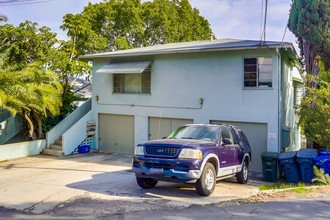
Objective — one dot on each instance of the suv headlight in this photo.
(187, 153)
(139, 150)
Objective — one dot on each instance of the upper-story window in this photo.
(129, 78)
(134, 83)
(258, 72)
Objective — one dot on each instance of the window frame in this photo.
(229, 132)
(257, 72)
(145, 84)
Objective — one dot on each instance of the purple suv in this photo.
(194, 153)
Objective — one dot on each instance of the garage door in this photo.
(162, 127)
(116, 133)
(256, 133)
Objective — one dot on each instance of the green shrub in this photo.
(320, 176)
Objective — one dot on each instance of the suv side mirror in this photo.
(227, 141)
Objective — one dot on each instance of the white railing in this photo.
(76, 134)
(67, 122)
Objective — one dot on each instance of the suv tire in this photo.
(243, 176)
(146, 183)
(206, 183)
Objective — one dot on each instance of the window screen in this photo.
(132, 83)
(258, 72)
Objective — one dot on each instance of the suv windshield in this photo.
(209, 133)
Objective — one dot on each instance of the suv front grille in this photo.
(161, 151)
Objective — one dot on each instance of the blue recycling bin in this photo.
(84, 149)
(289, 165)
(323, 152)
(323, 161)
(305, 159)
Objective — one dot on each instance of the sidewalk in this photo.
(38, 184)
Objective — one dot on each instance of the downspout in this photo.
(279, 78)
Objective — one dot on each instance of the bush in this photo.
(314, 112)
(320, 176)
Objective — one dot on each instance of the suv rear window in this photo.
(243, 137)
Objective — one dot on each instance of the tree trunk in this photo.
(311, 61)
(31, 133)
(81, 88)
(40, 134)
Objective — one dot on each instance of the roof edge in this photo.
(284, 45)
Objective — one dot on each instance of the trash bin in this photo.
(269, 166)
(323, 152)
(305, 158)
(83, 149)
(323, 162)
(289, 165)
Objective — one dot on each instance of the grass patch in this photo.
(301, 190)
(281, 185)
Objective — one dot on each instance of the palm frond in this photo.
(320, 176)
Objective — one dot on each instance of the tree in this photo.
(314, 113)
(310, 22)
(83, 39)
(33, 92)
(324, 74)
(128, 24)
(3, 18)
(168, 21)
(26, 44)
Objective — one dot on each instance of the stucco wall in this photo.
(9, 127)
(181, 80)
(21, 149)
(289, 118)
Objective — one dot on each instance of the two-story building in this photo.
(144, 93)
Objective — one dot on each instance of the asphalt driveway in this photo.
(41, 183)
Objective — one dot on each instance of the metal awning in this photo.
(124, 68)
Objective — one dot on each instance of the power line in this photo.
(286, 27)
(263, 21)
(23, 2)
(261, 17)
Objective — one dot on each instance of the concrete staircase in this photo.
(67, 135)
(55, 149)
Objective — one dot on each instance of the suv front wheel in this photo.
(146, 183)
(206, 183)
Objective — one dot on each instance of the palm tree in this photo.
(32, 92)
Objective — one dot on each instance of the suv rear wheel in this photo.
(243, 175)
(146, 183)
(206, 183)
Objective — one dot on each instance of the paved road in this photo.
(38, 184)
(102, 186)
(304, 209)
(90, 208)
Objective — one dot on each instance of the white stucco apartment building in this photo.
(145, 93)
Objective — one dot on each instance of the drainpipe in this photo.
(279, 78)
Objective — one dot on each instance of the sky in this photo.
(237, 19)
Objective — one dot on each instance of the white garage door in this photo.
(116, 133)
(162, 127)
(256, 133)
